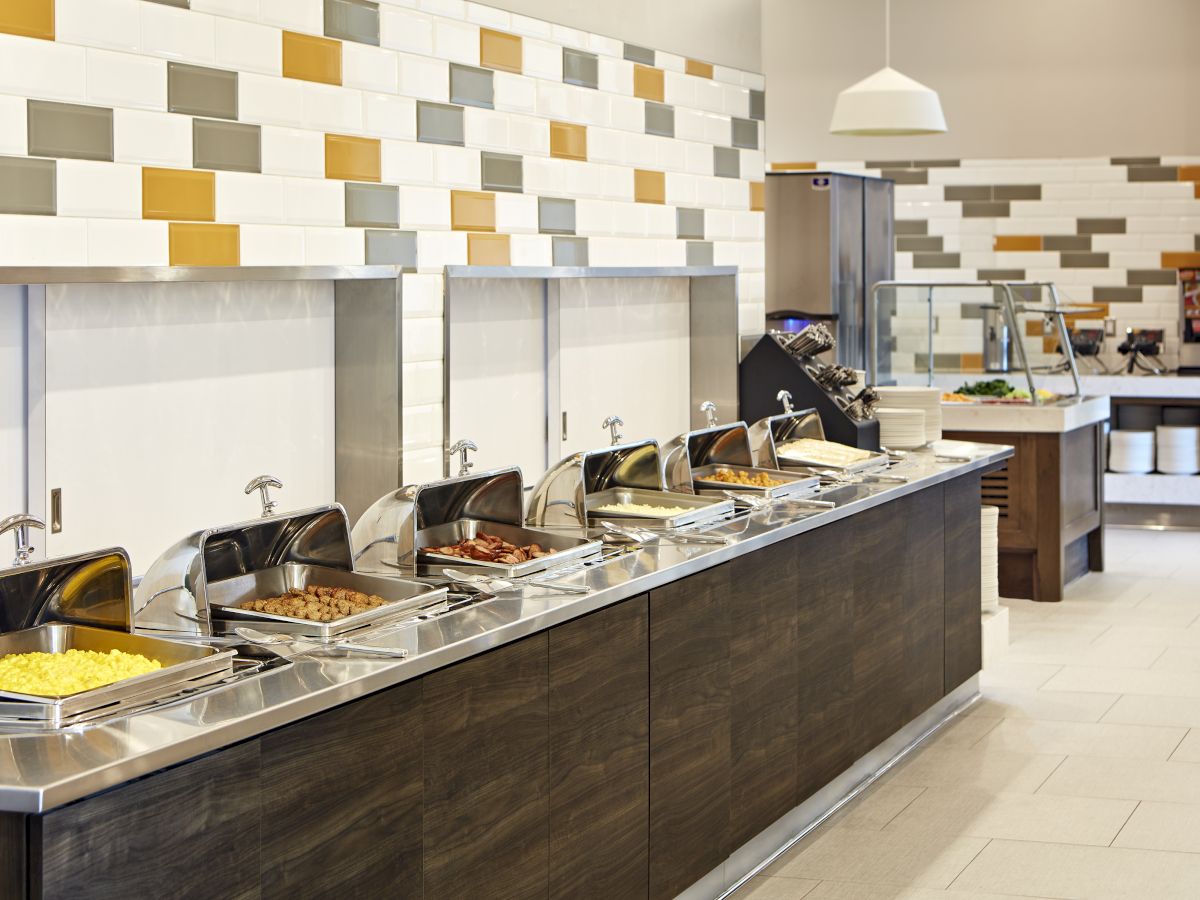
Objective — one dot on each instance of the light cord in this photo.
(887, 33)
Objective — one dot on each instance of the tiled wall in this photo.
(1111, 233)
(420, 133)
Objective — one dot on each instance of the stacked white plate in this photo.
(1131, 452)
(926, 399)
(901, 428)
(989, 552)
(1178, 449)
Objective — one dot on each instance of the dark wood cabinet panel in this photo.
(14, 847)
(599, 754)
(320, 845)
(964, 652)
(923, 606)
(689, 729)
(764, 668)
(487, 812)
(191, 831)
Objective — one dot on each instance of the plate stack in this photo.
(989, 544)
(926, 399)
(1178, 449)
(1131, 452)
(901, 428)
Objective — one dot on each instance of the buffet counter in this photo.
(656, 736)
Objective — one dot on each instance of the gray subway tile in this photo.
(923, 243)
(660, 119)
(889, 164)
(758, 105)
(556, 215)
(352, 20)
(937, 163)
(727, 162)
(439, 123)
(570, 251)
(182, 4)
(68, 129)
(471, 86)
(234, 146)
(581, 68)
(1117, 294)
(689, 223)
(1085, 260)
(637, 54)
(907, 176)
(1196, 243)
(1100, 226)
(942, 362)
(936, 260)
(744, 133)
(984, 209)
(1150, 276)
(28, 185)
(372, 205)
(200, 91)
(912, 226)
(1153, 173)
(391, 248)
(973, 310)
(1136, 160)
(1001, 274)
(501, 172)
(699, 253)
(968, 192)
(1071, 242)
(1017, 192)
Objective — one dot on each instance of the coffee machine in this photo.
(1189, 322)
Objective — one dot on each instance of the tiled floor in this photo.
(1077, 775)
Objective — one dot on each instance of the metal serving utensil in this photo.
(255, 636)
(646, 536)
(499, 585)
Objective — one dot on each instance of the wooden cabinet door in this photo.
(486, 737)
(689, 729)
(963, 646)
(922, 605)
(599, 754)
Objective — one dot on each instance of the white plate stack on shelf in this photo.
(1131, 452)
(926, 399)
(1178, 449)
(989, 555)
(901, 428)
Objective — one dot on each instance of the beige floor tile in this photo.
(845, 890)
(1135, 710)
(1128, 779)
(1189, 748)
(1082, 873)
(1153, 635)
(975, 767)
(1084, 738)
(877, 857)
(1178, 659)
(1162, 826)
(1150, 682)
(1031, 817)
(1028, 703)
(1108, 656)
(963, 731)
(1014, 673)
(875, 808)
(765, 887)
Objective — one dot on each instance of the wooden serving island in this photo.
(664, 735)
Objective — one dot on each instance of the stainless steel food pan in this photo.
(793, 485)
(566, 548)
(872, 462)
(403, 595)
(699, 509)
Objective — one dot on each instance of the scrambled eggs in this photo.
(47, 674)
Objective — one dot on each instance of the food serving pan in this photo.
(181, 663)
(793, 460)
(699, 509)
(793, 485)
(402, 595)
(566, 548)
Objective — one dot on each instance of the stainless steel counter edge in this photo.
(41, 771)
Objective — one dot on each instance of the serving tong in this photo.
(812, 340)
(646, 536)
(500, 585)
(307, 644)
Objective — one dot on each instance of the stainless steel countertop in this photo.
(42, 771)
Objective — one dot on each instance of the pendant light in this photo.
(887, 103)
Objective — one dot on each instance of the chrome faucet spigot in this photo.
(20, 524)
(785, 397)
(461, 448)
(710, 412)
(263, 484)
(612, 423)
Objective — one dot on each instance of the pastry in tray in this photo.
(315, 603)
(490, 548)
(825, 453)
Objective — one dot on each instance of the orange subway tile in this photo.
(178, 194)
(793, 166)
(971, 362)
(472, 211)
(498, 50)
(488, 250)
(28, 18)
(1033, 328)
(699, 69)
(312, 58)
(1097, 311)
(1050, 344)
(1189, 173)
(568, 141)
(1181, 260)
(649, 187)
(1197, 191)
(192, 244)
(1016, 242)
(648, 83)
(352, 158)
(758, 196)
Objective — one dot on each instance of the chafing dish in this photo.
(793, 485)
(565, 547)
(769, 434)
(700, 510)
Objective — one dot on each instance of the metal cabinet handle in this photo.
(612, 423)
(263, 484)
(710, 412)
(462, 448)
(785, 397)
(20, 525)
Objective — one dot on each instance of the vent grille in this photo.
(995, 490)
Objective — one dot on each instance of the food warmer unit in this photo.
(396, 533)
(199, 584)
(770, 434)
(83, 602)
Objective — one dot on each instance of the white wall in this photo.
(12, 405)
(1022, 78)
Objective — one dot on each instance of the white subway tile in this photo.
(606, 46)
(514, 92)
(407, 162)
(152, 138)
(516, 213)
(735, 101)
(553, 101)
(123, 79)
(528, 135)
(681, 189)
(568, 37)
(531, 250)
(177, 33)
(270, 100)
(314, 201)
(710, 96)
(422, 383)
(332, 108)
(42, 241)
(542, 59)
(615, 75)
(101, 189)
(595, 217)
(333, 246)
(422, 426)
(753, 164)
(13, 118)
(588, 106)
(127, 242)
(660, 221)
(424, 79)
(389, 116)
(489, 16)
(486, 129)
(249, 197)
(247, 46)
(422, 340)
(425, 208)
(672, 62)
(426, 464)
(530, 27)
(239, 9)
(296, 15)
(437, 249)
(700, 159)
(405, 29)
(292, 151)
(606, 145)
(1134, 259)
(41, 69)
(272, 245)
(680, 90)
(754, 81)
(545, 176)
(1106, 242)
(1068, 190)
(453, 9)
(627, 113)
(456, 167)
(97, 23)
(421, 295)
(456, 41)
(370, 68)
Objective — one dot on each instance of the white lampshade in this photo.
(887, 103)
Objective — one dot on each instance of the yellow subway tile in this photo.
(1016, 243)
(649, 187)
(28, 18)
(758, 195)
(312, 58)
(1033, 328)
(1181, 260)
(488, 250)
(648, 83)
(472, 211)
(204, 245)
(498, 50)
(1050, 344)
(699, 69)
(568, 141)
(971, 362)
(178, 194)
(352, 158)
(793, 166)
